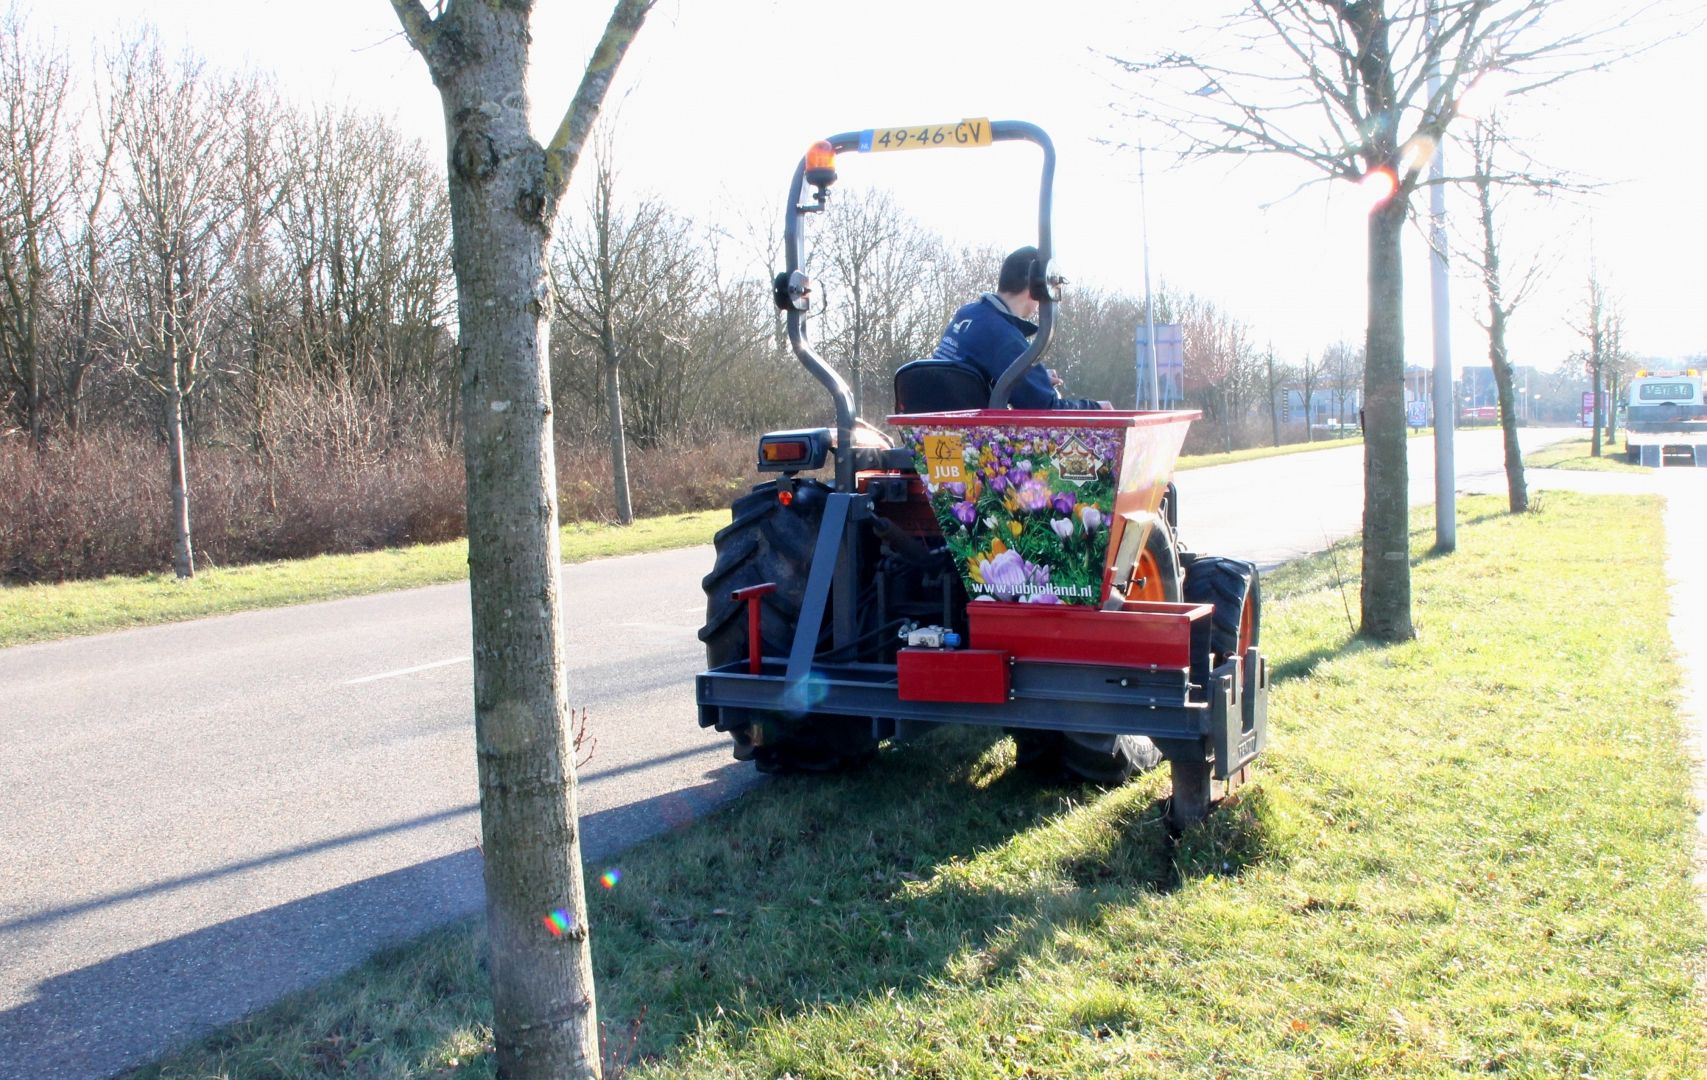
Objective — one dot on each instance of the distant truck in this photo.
(1666, 420)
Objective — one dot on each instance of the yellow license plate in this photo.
(927, 136)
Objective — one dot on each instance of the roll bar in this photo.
(793, 288)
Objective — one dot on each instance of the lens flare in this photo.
(1377, 186)
(802, 697)
(1416, 154)
(610, 877)
(559, 922)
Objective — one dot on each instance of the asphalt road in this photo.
(197, 819)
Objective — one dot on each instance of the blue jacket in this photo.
(988, 336)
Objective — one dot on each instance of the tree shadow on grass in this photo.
(940, 860)
(1305, 664)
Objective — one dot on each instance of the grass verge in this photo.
(1468, 853)
(1576, 454)
(32, 613)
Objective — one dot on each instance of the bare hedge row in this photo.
(98, 506)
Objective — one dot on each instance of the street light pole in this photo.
(1445, 481)
(1155, 398)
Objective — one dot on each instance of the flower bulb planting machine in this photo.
(1012, 568)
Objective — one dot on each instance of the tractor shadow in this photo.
(942, 860)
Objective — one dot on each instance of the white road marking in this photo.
(409, 670)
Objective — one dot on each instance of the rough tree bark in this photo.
(504, 192)
(1386, 601)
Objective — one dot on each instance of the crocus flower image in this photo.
(1063, 527)
(966, 513)
(1033, 496)
(1009, 577)
(1092, 518)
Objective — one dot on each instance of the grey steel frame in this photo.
(1232, 721)
(835, 570)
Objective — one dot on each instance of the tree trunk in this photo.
(1614, 389)
(618, 447)
(1273, 403)
(1386, 600)
(502, 208)
(38, 429)
(1595, 375)
(1517, 492)
(183, 557)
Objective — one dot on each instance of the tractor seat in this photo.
(940, 386)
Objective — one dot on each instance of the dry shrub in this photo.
(674, 479)
(99, 504)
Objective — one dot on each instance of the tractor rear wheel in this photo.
(766, 541)
(1232, 588)
(1100, 758)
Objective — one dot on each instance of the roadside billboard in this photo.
(1170, 363)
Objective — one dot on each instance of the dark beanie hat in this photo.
(1016, 271)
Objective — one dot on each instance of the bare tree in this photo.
(1309, 378)
(1618, 367)
(607, 274)
(504, 193)
(1599, 329)
(34, 185)
(1094, 347)
(262, 184)
(1220, 369)
(178, 205)
(1492, 184)
(878, 258)
(1343, 86)
(1276, 377)
(1342, 374)
(90, 348)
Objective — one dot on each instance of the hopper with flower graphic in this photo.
(1032, 504)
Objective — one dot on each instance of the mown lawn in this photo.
(1466, 854)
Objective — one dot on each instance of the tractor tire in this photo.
(1107, 760)
(768, 542)
(1233, 589)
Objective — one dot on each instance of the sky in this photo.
(717, 100)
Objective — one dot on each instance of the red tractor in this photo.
(1011, 568)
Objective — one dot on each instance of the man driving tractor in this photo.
(992, 331)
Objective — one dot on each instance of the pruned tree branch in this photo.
(565, 146)
(417, 26)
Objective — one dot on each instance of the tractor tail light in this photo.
(794, 451)
(784, 452)
(785, 497)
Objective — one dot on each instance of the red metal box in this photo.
(1141, 634)
(979, 675)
